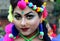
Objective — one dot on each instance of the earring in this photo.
(14, 31)
(41, 31)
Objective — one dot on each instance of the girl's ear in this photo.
(41, 19)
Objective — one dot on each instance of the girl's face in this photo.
(26, 21)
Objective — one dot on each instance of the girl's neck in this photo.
(32, 34)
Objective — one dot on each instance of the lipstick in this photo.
(24, 29)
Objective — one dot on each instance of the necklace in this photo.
(30, 39)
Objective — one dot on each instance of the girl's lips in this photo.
(24, 29)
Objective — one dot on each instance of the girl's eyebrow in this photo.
(29, 13)
(16, 13)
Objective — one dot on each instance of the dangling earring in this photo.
(41, 31)
(11, 32)
(14, 31)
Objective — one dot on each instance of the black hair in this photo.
(38, 3)
(35, 2)
(45, 30)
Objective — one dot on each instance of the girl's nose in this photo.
(23, 22)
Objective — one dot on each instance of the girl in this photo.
(26, 21)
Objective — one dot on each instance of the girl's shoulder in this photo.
(1, 39)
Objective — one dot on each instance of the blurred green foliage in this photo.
(2, 31)
(57, 8)
(58, 1)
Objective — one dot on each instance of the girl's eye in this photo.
(18, 17)
(30, 17)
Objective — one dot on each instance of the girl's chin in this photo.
(26, 33)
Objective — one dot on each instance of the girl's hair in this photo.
(35, 2)
(38, 3)
(46, 37)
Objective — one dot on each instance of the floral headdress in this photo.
(22, 5)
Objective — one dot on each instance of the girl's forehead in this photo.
(25, 11)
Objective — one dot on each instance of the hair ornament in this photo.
(8, 36)
(34, 7)
(41, 31)
(11, 35)
(38, 9)
(10, 17)
(21, 4)
(26, 1)
(41, 10)
(30, 5)
(44, 4)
